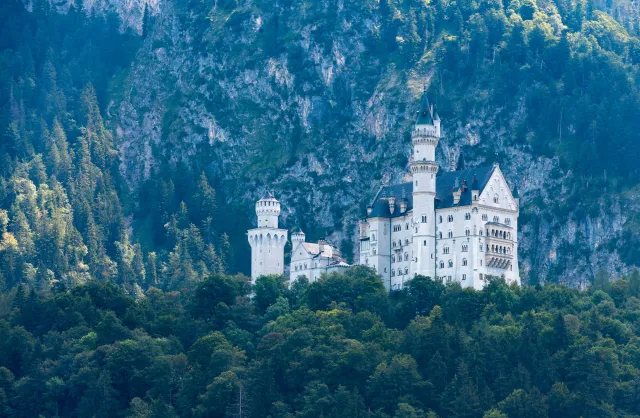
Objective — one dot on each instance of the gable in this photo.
(497, 187)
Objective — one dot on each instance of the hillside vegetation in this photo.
(134, 154)
(340, 347)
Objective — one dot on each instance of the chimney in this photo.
(363, 229)
(321, 245)
(392, 204)
(403, 205)
(456, 193)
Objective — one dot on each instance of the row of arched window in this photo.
(395, 244)
(399, 258)
(393, 272)
(499, 234)
(450, 263)
(499, 249)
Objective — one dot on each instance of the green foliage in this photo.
(528, 352)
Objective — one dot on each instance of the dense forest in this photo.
(122, 246)
(339, 347)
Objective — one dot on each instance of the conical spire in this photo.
(424, 116)
(474, 184)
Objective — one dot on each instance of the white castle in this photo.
(267, 243)
(457, 226)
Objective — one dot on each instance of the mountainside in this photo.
(315, 100)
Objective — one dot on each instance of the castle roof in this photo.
(268, 196)
(445, 183)
(424, 116)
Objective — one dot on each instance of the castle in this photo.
(267, 243)
(453, 226)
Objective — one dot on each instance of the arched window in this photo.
(450, 234)
(394, 244)
(393, 273)
(467, 232)
(464, 261)
(442, 264)
(440, 235)
(406, 256)
(465, 248)
(450, 218)
(445, 250)
(495, 199)
(440, 220)
(450, 263)
(467, 216)
(485, 217)
(406, 226)
(406, 242)
(406, 270)
(393, 258)
(424, 219)
(399, 272)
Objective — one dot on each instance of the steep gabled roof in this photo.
(445, 184)
(380, 206)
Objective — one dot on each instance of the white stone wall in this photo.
(267, 251)
(312, 267)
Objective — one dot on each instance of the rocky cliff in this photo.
(315, 100)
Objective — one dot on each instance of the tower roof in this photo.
(424, 116)
(474, 183)
(444, 186)
(268, 196)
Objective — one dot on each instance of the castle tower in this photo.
(425, 137)
(297, 237)
(267, 241)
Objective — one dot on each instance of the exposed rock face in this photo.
(317, 115)
(131, 12)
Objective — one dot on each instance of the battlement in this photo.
(424, 166)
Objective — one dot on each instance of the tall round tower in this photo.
(425, 136)
(267, 241)
(268, 211)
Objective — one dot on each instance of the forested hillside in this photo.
(136, 137)
(340, 347)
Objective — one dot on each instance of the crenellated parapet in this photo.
(424, 166)
(425, 135)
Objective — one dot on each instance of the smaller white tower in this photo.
(296, 238)
(267, 241)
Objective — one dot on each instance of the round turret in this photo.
(268, 210)
(297, 237)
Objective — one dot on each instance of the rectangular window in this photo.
(464, 277)
(424, 244)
